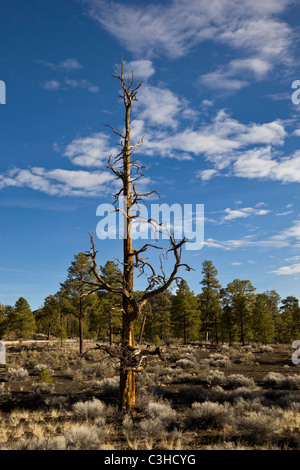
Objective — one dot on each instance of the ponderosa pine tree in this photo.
(158, 319)
(290, 319)
(228, 324)
(75, 291)
(185, 314)
(21, 320)
(241, 297)
(263, 324)
(49, 317)
(110, 304)
(210, 303)
(3, 321)
(274, 301)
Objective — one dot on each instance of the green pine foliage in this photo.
(185, 315)
(210, 303)
(241, 298)
(263, 324)
(20, 319)
(234, 313)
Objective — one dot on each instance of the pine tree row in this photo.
(217, 314)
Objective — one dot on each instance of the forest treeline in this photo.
(235, 313)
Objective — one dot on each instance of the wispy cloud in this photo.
(218, 140)
(70, 84)
(245, 243)
(250, 28)
(66, 65)
(173, 30)
(283, 239)
(288, 270)
(242, 213)
(59, 182)
(236, 74)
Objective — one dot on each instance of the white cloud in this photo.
(249, 27)
(159, 106)
(218, 140)
(283, 239)
(254, 163)
(206, 175)
(242, 213)
(245, 243)
(52, 85)
(269, 38)
(142, 69)
(70, 84)
(207, 103)
(291, 232)
(280, 214)
(67, 65)
(91, 151)
(59, 182)
(173, 30)
(261, 163)
(236, 74)
(288, 270)
(84, 84)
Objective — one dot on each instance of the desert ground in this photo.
(200, 397)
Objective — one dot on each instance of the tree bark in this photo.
(80, 318)
(111, 334)
(127, 377)
(142, 328)
(132, 307)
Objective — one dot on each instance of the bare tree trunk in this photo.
(157, 284)
(80, 318)
(111, 334)
(127, 377)
(49, 331)
(142, 328)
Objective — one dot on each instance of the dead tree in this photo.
(128, 171)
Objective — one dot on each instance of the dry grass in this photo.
(201, 398)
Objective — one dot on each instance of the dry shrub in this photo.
(235, 381)
(258, 427)
(216, 377)
(218, 360)
(208, 415)
(90, 409)
(277, 380)
(83, 438)
(164, 412)
(16, 374)
(55, 443)
(242, 406)
(186, 363)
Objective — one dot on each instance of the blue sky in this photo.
(215, 110)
